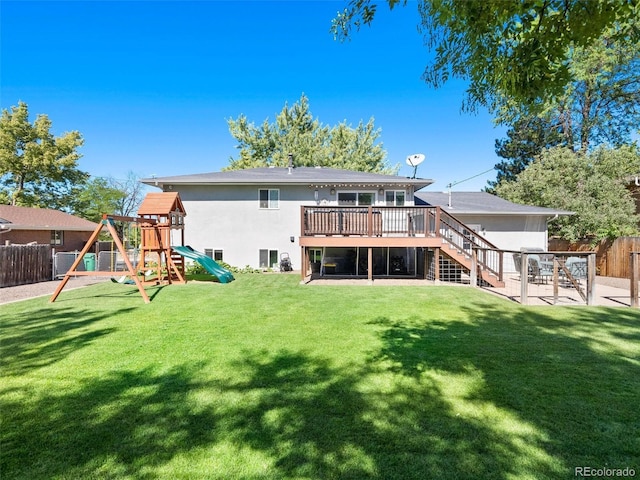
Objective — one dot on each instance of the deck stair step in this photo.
(464, 259)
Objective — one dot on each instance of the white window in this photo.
(268, 258)
(269, 198)
(356, 198)
(394, 198)
(57, 237)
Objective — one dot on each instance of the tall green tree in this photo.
(97, 197)
(517, 49)
(592, 184)
(601, 106)
(311, 142)
(525, 140)
(37, 168)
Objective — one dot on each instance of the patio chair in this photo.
(577, 268)
(517, 262)
(539, 272)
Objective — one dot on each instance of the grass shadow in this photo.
(574, 381)
(37, 339)
(321, 421)
(120, 426)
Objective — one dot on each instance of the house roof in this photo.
(312, 176)
(482, 203)
(27, 218)
(164, 203)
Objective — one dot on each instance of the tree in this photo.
(592, 185)
(525, 140)
(312, 143)
(97, 197)
(600, 106)
(102, 195)
(36, 168)
(514, 49)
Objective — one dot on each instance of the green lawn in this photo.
(264, 378)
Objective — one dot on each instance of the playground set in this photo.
(160, 263)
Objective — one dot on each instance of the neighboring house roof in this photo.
(312, 176)
(481, 203)
(27, 218)
(161, 204)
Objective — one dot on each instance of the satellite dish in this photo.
(415, 160)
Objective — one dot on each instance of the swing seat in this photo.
(123, 280)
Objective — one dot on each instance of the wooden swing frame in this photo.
(107, 221)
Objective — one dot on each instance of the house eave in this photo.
(400, 184)
(453, 211)
(16, 227)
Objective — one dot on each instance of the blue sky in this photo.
(150, 85)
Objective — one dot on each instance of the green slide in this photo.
(210, 265)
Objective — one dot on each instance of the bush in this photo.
(197, 269)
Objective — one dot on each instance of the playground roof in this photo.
(481, 203)
(28, 218)
(161, 203)
(320, 176)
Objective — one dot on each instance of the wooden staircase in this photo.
(458, 244)
(465, 261)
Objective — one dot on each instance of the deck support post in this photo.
(473, 272)
(304, 255)
(370, 265)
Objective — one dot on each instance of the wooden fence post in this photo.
(591, 278)
(524, 278)
(634, 277)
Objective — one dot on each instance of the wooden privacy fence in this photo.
(612, 257)
(24, 264)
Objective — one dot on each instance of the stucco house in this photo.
(23, 225)
(340, 222)
(507, 225)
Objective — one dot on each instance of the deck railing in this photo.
(422, 221)
(365, 221)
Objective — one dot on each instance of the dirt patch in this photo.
(33, 290)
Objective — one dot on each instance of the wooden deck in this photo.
(412, 226)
